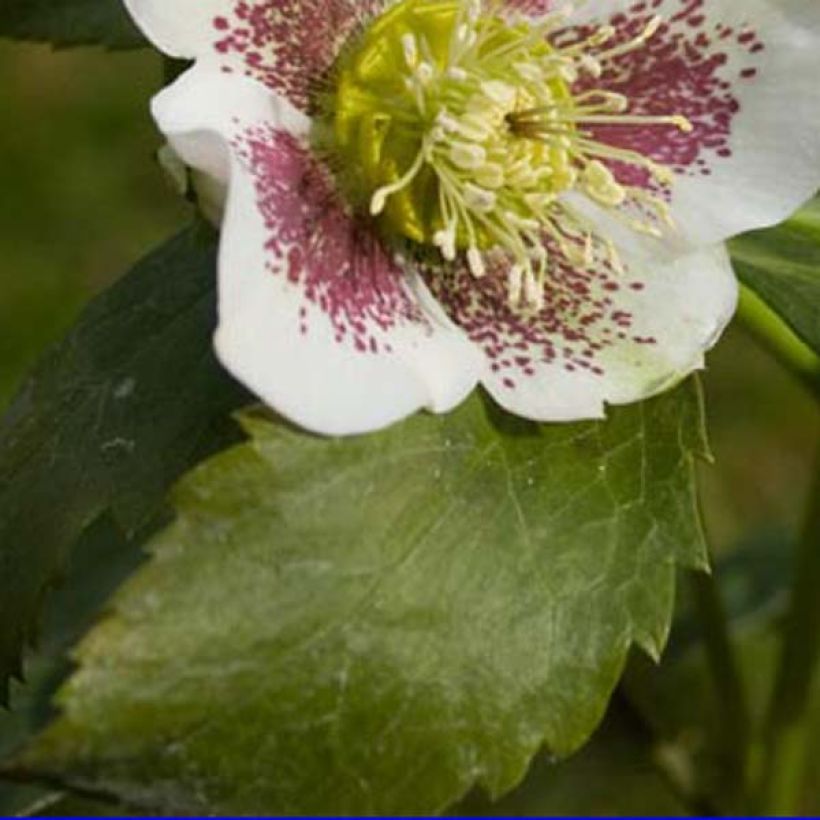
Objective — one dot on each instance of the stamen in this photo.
(446, 242)
(515, 286)
(638, 42)
(411, 51)
(489, 102)
(467, 155)
(500, 93)
(475, 262)
(479, 199)
(379, 200)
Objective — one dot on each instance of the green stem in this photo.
(771, 332)
(786, 736)
(677, 783)
(729, 690)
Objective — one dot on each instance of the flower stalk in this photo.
(782, 772)
(727, 681)
(769, 330)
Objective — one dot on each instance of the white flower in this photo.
(421, 196)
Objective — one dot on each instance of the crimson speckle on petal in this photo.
(685, 67)
(579, 321)
(289, 44)
(532, 194)
(338, 263)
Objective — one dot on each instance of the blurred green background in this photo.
(83, 197)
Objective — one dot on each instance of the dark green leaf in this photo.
(110, 419)
(378, 624)
(62, 804)
(100, 560)
(70, 22)
(782, 266)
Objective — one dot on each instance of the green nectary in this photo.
(459, 129)
(403, 78)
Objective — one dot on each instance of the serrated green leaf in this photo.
(100, 560)
(615, 775)
(782, 266)
(70, 23)
(374, 625)
(111, 418)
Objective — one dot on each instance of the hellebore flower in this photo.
(418, 196)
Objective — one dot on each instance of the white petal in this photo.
(745, 74)
(315, 317)
(602, 338)
(286, 44)
(180, 28)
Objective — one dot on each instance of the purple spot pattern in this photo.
(289, 44)
(581, 319)
(692, 66)
(333, 258)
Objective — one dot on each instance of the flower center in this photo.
(461, 129)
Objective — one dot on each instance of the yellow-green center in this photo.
(457, 128)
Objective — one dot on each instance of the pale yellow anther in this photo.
(424, 73)
(502, 94)
(490, 175)
(533, 291)
(662, 173)
(475, 261)
(379, 199)
(521, 222)
(467, 155)
(615, 103)
(652, 28)
(478, 198)
(521, 175)
(515, 285)
(473, 10)
(411, 50)
(470, 127)
(445, 241)
(589, 250)
(513, 144)
(538, 203)
(531, 72)
(466, 36)
(603, 35)
(569, 73)
(590, 65)
(601, 185)
(682, 123)
(645, 228)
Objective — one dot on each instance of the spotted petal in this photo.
(602, 337)
(315, 316)
(287, 44)
(745, 75)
